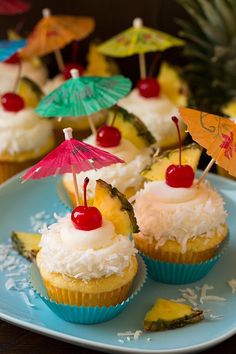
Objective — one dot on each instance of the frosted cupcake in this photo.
(87, 258)
(130, 140)
(24, 137)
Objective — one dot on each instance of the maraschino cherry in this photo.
(149, 87)
(12, 102)
(14, 59)
(179, 176)
(108, 136)
(69, 66)
(86, 217)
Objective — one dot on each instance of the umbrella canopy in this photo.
(8, 48)
(85, 95)
(13, 7)
(54, 32)
(215, 133)
(138, 39)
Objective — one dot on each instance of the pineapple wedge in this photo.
(26, 243)
(115, 207)
(167, 314)
(156, 170)
(131, 127)
(29, 91)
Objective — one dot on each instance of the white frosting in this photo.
(53, 83)
(60, 252)
(165, 213)
(121, 176)
(9, 72)
(23, 131)
(156, 113)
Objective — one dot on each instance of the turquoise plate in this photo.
(20, 204)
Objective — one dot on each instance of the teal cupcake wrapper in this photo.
(82, 314)
(181, 273)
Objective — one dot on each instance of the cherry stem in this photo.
(176, 121)
(86, 182)
(115, 114)
(18, 76)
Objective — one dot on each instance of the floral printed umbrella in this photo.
(13, 7)
(54, 32)
(139, 40)
(216, 134)
(8, 48)
(85, 95)
(71, 156)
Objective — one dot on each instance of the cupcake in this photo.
(130, 140)
(86, 258)
(24, 137)
(155, 101)
(80, 125)
(182, 224)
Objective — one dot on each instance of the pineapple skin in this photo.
(29, 91)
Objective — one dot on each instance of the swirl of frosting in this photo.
(61, 253)
(121, 176)
(165, 213)
(23, 131)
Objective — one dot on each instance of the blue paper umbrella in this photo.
(8, 48)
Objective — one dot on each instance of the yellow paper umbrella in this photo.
(54, 32)
(139, 40)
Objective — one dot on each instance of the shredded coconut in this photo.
(232, 285)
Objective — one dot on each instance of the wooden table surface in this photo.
(15, 340)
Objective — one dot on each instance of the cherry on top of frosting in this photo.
(14, 59)
(86, 217)
(108, 136)
(179, 176)
(12, 102)
(69, 66)
(148, 87)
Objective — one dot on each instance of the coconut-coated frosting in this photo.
(84, 254)
(121, 176)
(23, 131)
(166, 213)
(9, 72)
(155, 113)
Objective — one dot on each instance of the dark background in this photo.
(112, 17)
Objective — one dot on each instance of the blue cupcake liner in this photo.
(181, 273)
(82, 314)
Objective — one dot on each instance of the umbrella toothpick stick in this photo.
(68, 136)
(138, 23)
(207, 169)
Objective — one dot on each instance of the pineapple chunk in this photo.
(157, 169)
(167, 314)
(131, 127)
(115, 207)
(29, 91)
(26, 243)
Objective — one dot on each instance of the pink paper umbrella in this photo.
(13, 7)
(71, 156)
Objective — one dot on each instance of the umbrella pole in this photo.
(59, 60)
(92, 126)
(142, 65)
(75, 186)
(207, 169)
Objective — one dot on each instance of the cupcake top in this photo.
(122, 176)
(155, 113)
(22, 131)
(165, 213)
(85, 254)
(9, 72)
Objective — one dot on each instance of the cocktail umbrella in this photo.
(8, 48)
(54, 32)
(216, 134)
(13, 7)
(82, 96)
(71, 156)
(139, 40)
